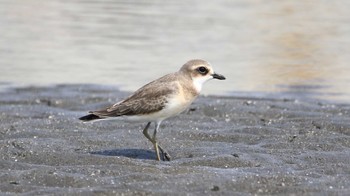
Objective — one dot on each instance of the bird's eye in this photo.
(202, 70)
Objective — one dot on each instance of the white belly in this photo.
(174, 106)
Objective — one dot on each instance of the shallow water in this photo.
(298, 48)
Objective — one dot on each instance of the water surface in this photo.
(298, 48)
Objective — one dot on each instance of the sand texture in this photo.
(221, 145)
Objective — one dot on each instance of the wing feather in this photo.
(148, 99)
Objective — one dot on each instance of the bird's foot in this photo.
(164, 154)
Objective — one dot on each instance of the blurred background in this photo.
(286, 48)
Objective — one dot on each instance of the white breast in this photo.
(199, 81)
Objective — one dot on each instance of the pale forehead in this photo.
(195, 63)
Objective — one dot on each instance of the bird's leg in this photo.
(155, 141)
(165, 155)
(145, 133)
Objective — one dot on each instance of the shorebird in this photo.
(160, 99)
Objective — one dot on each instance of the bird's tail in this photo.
(89, 117)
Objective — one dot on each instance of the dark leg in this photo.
(155, 143)
(157, 147)
(165, 154)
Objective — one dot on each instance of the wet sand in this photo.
(221, 145)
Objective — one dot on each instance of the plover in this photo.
(160, 99)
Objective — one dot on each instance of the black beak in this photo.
(218, 76)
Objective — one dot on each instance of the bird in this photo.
(160, 99)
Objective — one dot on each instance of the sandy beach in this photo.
(221, 145)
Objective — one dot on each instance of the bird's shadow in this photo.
(130, 153)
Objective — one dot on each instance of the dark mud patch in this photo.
(221, 145)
